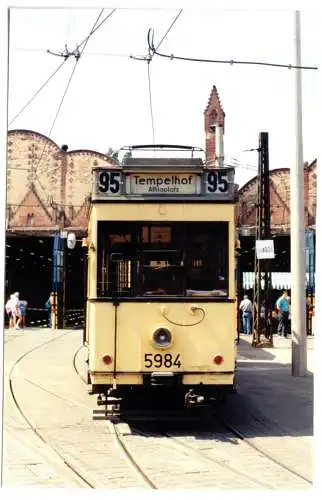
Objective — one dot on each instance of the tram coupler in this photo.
(192, 399)
(111, 405)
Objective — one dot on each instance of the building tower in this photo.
(214, 130)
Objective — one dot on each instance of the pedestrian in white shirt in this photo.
(246, 308)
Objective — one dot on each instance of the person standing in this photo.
(246, 308)
(23, 304)
(283, 307)
(8, 308)
(49, 307)
(16, 317)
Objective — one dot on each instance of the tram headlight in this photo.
(162, 337)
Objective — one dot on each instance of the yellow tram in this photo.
(161, 299)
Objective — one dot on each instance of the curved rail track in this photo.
(172, 443)
(264, 453)
(113, 428)
(71, 470)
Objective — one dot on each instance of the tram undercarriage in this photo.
(157, 400)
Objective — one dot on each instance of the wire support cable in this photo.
(151, 106)
(95, 28)
(150, 54)
(169, 29)
(148, 59)
(154, 51)
(83, 43)
(36, 93)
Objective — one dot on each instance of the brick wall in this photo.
(46, 185)
(279, 199)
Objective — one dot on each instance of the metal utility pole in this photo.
(298, 299)
(262, 281)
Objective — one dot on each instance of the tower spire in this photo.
(214, 129)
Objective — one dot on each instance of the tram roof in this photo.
(162, 162)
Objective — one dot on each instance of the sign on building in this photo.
(265, 249)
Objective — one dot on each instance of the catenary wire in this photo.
(148, 59)
(154, 51)
(95, 28)
(150, 100)
(83, 43)
(36, 93)
(170, 27)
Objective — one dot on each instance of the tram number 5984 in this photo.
(109, 182)
(217, 182)
(157, 360)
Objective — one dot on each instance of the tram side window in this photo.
(207, 259)
(115, 260)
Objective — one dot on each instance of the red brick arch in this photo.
(279, 198)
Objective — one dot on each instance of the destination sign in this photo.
(216, 184)
(176, 184)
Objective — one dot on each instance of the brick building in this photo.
(47, 185)
(48, 188)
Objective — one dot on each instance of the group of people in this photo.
(283, 312)
(16, 311)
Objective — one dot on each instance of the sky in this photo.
(107, 103)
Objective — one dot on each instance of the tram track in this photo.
(70, 469)
(172, 442)
(113, 429)
(264, 453)
(51, 455)
(273, 467)
(144, 478)
(75, 365)
(193, 452)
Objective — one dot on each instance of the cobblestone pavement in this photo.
(56, 402)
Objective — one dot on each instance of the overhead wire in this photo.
(151, 106)
(66, 56)
(148, 59)
(36, 93)
(83, 45)
(153, 50)
(95, 28)
(170, 27)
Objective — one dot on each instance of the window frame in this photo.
(134, 287)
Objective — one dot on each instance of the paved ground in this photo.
(266, 388)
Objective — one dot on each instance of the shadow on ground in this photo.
(269, 402)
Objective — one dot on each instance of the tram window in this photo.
(207, 259)
(115, 259)
(160, 258)
(177, 259)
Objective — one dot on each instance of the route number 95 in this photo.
(159, 360)
(109, 182)
(217, 182)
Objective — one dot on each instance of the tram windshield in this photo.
(152, 259)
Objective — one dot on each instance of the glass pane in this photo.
(177, 259)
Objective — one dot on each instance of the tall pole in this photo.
(298, 296)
